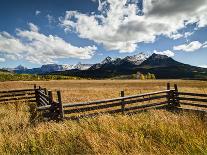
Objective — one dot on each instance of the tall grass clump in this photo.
(153, 132)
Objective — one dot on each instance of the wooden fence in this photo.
(168, 98)
(14, 96)
(171, 99)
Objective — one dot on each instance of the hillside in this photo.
(2, 71)
(162, 66)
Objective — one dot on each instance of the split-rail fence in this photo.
(170, 99)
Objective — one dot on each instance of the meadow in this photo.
(153, 132)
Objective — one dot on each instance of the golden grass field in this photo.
(153, 132)
(86, 90)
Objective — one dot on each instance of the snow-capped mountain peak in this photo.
(107, 60)
(137, 59)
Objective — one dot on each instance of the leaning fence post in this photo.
(60, 104)
(122, 103)
(176, 96)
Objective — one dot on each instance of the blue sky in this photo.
(37, 32)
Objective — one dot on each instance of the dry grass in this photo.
(85, 90)
(154, 132)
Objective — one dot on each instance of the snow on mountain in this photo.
(49, 68)
(137, 59)
(80, 66)
(20, 67)
(108, 61)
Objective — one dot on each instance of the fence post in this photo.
(50, 97)
(60, 104)
(176, 96)
(169, 95)
(168, 86)
(45, 91)
(36, 94)
(52, 108)
(122, 103)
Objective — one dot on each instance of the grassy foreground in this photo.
(154, 132)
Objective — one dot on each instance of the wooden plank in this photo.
(193, 94)
(91, 108)
(108, 112)
(192, 99)
(15, 98)
(44, 100)
(47, 107)
(15, 95)
(93, 114)
(112, 100)
(13, 101)
(146, 106)
(193, 104)
(20, 90)
(43, 95)
(145, 99)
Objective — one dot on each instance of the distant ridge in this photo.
(49, 68)
(162, 66)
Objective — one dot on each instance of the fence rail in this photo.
(21, 95)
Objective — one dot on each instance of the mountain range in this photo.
(162, 66)
(49, 68)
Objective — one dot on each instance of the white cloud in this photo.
(39, 48)
(33, 27)
(205, 45)
(50, 18)
(118, 27)
(10, 44)
(176, 36)
(187, 34)
(37, 12)
(191, 47)
(167, 53)
(2, 60)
